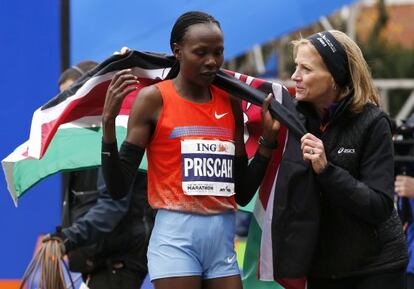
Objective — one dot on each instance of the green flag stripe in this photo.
(70, 149)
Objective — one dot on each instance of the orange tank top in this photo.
(190, 157)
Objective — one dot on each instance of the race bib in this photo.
(207, 167)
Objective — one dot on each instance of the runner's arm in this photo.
(248, 177)
(119, 169)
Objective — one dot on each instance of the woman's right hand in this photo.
(123, 83)
(271, 126)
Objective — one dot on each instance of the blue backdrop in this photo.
(30, 66)
(100, 27)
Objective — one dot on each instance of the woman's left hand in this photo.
(314, 151)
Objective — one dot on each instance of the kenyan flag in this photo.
(66, 132)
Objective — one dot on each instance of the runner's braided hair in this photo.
(186, 20)
(180, 28)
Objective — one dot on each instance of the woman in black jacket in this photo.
(349, 146)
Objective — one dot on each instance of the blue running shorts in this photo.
(185, 244)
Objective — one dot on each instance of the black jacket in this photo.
(101, 230)
(360, 231)
(296, 210)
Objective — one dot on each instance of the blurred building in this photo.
(399, 29)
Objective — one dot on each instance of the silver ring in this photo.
(311, 152)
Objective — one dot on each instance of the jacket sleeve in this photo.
(102, 218)
(371, 196)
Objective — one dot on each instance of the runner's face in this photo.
(200, 53)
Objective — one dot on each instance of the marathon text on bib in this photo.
(207, 167)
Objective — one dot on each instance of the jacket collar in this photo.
(336, 110)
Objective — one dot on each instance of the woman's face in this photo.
(314, 83)
(200, 52)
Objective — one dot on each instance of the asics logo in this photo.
(345, 151)
(218, 116)
(231, 259)
(106, 153)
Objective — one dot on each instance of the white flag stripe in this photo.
(277, 89)
(8, 166)
(94, 121)
(266, 259)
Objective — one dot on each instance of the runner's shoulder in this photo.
(150, 95)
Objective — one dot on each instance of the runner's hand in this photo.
(123, 83)
(271, 126)
(124, 50)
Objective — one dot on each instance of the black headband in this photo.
(333, 55)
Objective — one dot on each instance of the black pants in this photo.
(115, 279)
(410, 281)
(389, 280)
